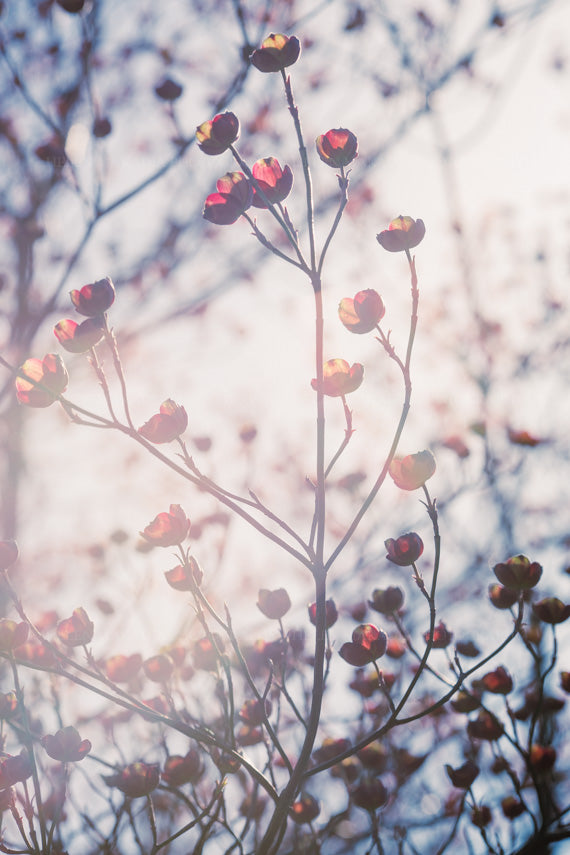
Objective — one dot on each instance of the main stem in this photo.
(277, 825)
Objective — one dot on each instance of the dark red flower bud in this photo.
(405, 550)
(368, 644)
(168, 90)
(254, 712)
(512, 807)
(518, 573)
(41, 381)
(274, 182)
(78, 338)
(135, 780)
(402, 233)
(551, 610)
(66, 745)
(276, 53)
(94, 299)
(338, 147)
(413, 470)
(362, 313)
(386, 601)
(232, 199)
(122, 669)
(273, 604)
(542, 757)
(467, 648)
(499, 681)
(218, 134)
(463, 776)
(183, 770)
(481, 816)
(331, 613)
(369, 793)
(305, 809)
(485, 726)
(466, 702)
(76, 630)
(167, 425)
(159, 668)
(502, 598)
(442, 637)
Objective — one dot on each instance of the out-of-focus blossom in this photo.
(275, 182)
(232, 199)
(217, 135)
(12, 634)
(361, 313)
(94, 299)
(369, 793)
(168, 424)
(76, 630)
(463, 776)
(442, 637)
(502, 598)
(368, 644)
(273, 604)
(49, 378)
(305, 809)
(78, 338)
(168, 89)
(180, 770)
(551, 610)
(331, 613)
(185, 577)
(339, 378)
(276, 53)
(135, 780)
(8, 553)
(402, 233)
(66, 745)
(412, 471)
(387, 600)
(338, 147)
(14, 769)
(169, 528)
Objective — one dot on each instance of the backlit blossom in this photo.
(412, 471)
(404, 550)
(168, 424)
(338, 147)
(41, 381)
(275, 182)
(277, 52)
(216, 135)
(362, 313)
(339, 378)
(135, 780)
(168, 528)
(518, 572)
(273, 604)
(403, 233)
(232, 199)
(12, 634)
(368, 644)
(78, 338)
(76, 630)
(66, 745)
(94, 299)
(14, 769)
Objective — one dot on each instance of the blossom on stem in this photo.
(405, 550)
(168, 424)
(403, 233)
(368, 644)
(168, 89)
(78, 338)
(276, 53)
(338, 147)
(49, 378)
(14, 769)
(339, 378)
(94, 299)
(305, 809)
(169, 528)
(217, 135)
(185, 577)
(273, 604)
(369, 793)
(412, 471)
(463, 776)
(362, 313)
(12, 634)
(180, 770)
(66, 745)
(232, 199)
(331, 613)
(387, 600)
(551, 610)
(275, 182)
(518, 572)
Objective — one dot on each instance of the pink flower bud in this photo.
(405, 550)
(362, 313)
(233, 198)
(275, 182)
(41, 381)
(66, 745)
(78, 338)
(168, 528)
(135, 780)
(168, 424)
(94, 299)
(76, 630)
(412, 471)
(339, 378)
(273, 604)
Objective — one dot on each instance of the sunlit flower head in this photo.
(275, 182)
(216, 135)
(363, 312)
(276, 53)
(41, 381)
(233, 197)
(412, 471)
(403, 233)
(338, 147)
(340, 378)
(94, 299)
